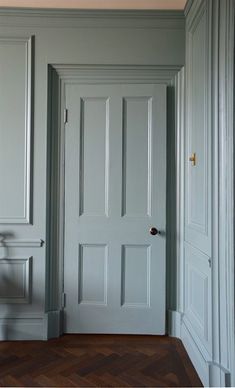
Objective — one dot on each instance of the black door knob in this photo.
(154, 231)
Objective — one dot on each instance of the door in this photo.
(198, 258)
(115, 191)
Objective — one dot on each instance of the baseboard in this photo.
(200, 364)
(54, 324)
(22, 328)
(174, 323)
(31, 327)
(210, 373)
(218, 376)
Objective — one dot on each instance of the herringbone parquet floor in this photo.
(97, 361)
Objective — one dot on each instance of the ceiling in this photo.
(96, 4)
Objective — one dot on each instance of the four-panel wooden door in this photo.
(115, 191)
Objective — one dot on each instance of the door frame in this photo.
(58, 77)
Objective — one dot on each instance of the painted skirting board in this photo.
(31, 326)
(174, 323)
(23, 327)
(210, 373)
(54, 323)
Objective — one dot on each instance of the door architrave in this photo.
(58, 77)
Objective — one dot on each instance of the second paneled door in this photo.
(115, 192)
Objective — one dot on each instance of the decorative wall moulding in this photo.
(116, 74)
(22, 243)
(16, 129)
(96, 4)
(15, 280)
(53, 18)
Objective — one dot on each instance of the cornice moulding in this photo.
(76, 13)
(61, 18)
(188, 6)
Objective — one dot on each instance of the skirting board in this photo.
(38, 327)
(22, 328)
(54, 323)
(219, 377)
(174, 319)
(210, 373)
(176, 328)
(200, 364)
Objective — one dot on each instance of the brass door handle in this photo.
(153, 231)
(192, 159)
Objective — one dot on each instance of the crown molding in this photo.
(188, 6)
(81, 13)
(64, 18)
(116, 74)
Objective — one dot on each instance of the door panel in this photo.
(92, 272)
(198, 297)
(94, 153)
(198, 176)
(136, 156)
(135, 265)
(115, 179)
(198, 258)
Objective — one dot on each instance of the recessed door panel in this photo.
(137, 127)
(198, 134)
(94, 128)
(92, 273)
(135, 266)
(198, 297)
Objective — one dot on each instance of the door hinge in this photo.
(65, 116)
(63, 300)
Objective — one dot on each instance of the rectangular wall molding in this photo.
(22, 328)
(198, 131)
(15, 129)
(198, 313)
(15, 280)
(38, 243)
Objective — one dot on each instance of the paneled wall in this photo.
(207, 262)
(197, 319)
(198, 199)
(30, 40)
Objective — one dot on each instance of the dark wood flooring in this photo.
(97, 361)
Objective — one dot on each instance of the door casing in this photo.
(58, 77)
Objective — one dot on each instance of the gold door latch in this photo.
(192, 159)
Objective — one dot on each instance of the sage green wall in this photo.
(72, 37)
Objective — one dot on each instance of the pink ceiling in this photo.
(96, 4)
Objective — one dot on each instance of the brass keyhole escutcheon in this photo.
(192, 159)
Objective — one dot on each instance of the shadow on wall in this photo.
(15, 288)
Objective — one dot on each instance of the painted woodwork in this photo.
(15, 129)
(31, 155)
(115, 190)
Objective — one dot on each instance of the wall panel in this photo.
(198, 133)
(15, 129)
(15, 280)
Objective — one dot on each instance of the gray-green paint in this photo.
(120, 39)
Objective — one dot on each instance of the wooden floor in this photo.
(97, 361)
